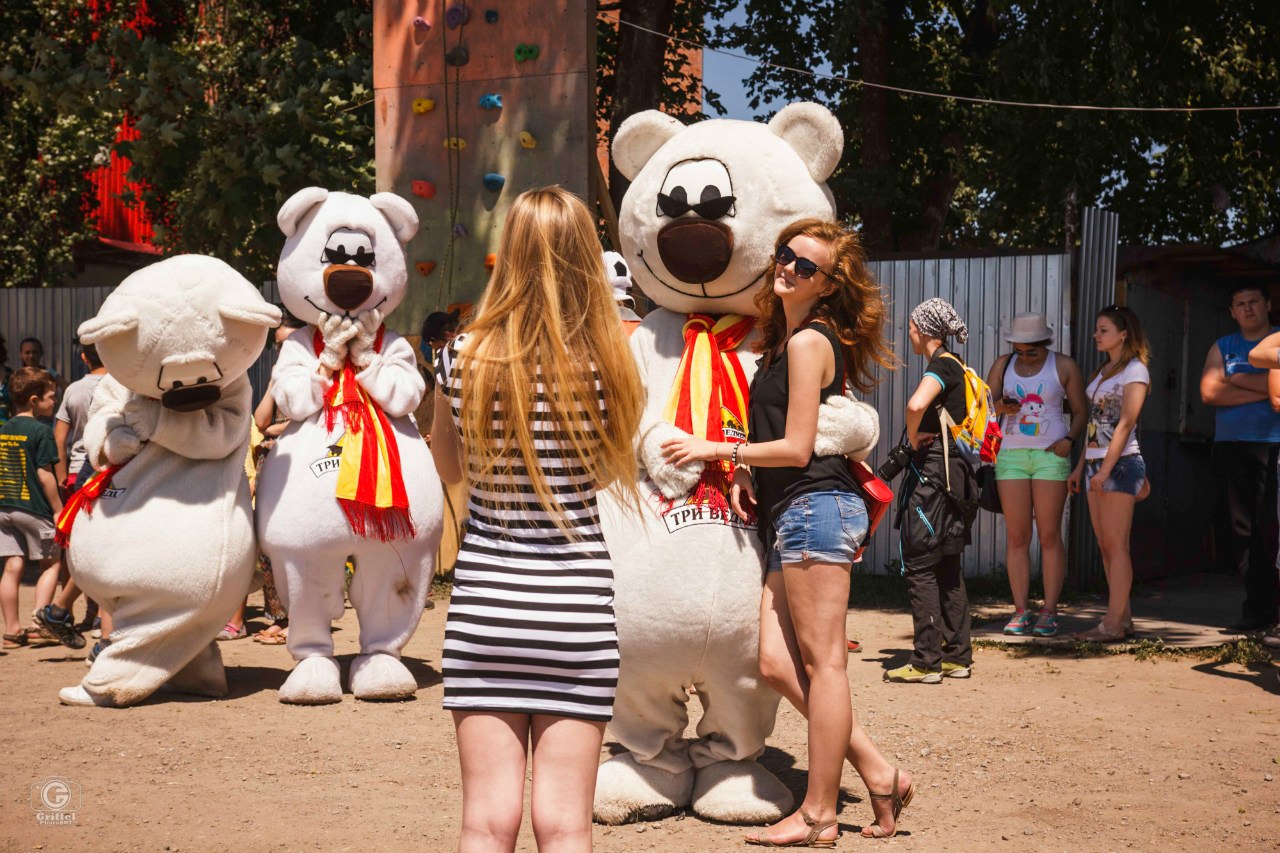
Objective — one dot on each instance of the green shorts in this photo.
(1029, 463)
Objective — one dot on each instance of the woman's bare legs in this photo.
(1015, 501)
(782, 667)
(1111, 514)
(1048, 497)
(491, 752)
(566, 753)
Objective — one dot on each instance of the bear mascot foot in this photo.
(740, 792)
(381, 676)
(627, 791)
(314, 681)
(204, 676)
(77, 695)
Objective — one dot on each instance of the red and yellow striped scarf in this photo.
(710, 387)
(82, 500)
(370, 483)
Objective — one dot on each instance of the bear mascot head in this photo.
(698, 227)
(707, 201)
(181, 330)
(342, 254)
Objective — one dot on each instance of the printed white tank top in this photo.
(1040, 421)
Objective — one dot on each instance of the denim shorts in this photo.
(1127, 476)
(826, 527)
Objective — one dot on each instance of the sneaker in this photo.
(1271, 639)
(86, 625)
(63, 629)
(95, 651)
(910, 675)
(1046, 625)
(1019, 624)
(955, 670)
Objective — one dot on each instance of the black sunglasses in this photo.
(1026, 350)
(805, 268)
(677, 205)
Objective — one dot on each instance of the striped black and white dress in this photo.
(531, 626)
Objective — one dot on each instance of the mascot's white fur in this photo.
(698, 225)
(168, 547)
(341, 271)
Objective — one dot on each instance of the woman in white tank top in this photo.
(1031, 384)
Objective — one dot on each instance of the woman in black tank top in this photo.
(821, 320)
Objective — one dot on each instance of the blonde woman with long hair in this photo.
(536, 405)
(1111, 469)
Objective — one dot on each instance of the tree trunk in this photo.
(640, 70)
(936, 203)
(873, 35)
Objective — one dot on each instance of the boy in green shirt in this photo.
(29, 499)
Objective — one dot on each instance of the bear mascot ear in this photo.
(401, 215)
(639, 137)
(107, 325)
(814, 133)
(292, 211)
(256, 314)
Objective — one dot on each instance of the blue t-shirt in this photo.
(1247, 421)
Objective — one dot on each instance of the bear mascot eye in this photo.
(349, 247)
(709, 179)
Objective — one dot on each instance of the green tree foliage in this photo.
(238, 104)
(921, 173)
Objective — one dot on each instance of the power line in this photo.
(939, 95)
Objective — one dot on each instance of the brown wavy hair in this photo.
(855, 310)
(1135, 341)
(547, 321)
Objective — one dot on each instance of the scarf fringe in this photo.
(711, 490)
(382, 523)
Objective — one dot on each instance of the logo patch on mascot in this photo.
(330, 462)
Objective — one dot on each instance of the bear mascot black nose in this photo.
(695, 251)
(347, 286)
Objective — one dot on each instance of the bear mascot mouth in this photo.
(191, 398)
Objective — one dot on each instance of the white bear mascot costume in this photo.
(165, 542)
(350, 476)
(698, 226)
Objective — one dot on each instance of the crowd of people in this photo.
(536, 405)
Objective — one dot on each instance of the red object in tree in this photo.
(126, 225)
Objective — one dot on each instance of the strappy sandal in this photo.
(1100, 634)
(810, 840)
(899, 803)
(16, 641)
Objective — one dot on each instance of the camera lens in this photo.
(899, 456)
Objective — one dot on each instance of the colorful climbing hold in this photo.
(425, 267)
(457, 57)
(493, 181)
(455, 143)
(456, 15)
(422, 106)
(491, 101)
(491, 16)
(526, 52)
(425, 189)
(528, 140)
(459, 230)
(489, 261)
(421, 24)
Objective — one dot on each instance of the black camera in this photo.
(898, 459)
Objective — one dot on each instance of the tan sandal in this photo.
(899, 803)
(810, 840)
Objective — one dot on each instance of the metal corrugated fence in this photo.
(53, 314)
(987, 292)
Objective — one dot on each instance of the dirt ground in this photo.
(1050, 753)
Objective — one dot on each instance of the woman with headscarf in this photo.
(932, 515)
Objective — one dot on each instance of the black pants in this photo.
(940, 611)
(1245, 530)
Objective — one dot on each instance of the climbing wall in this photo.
(476, 102)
